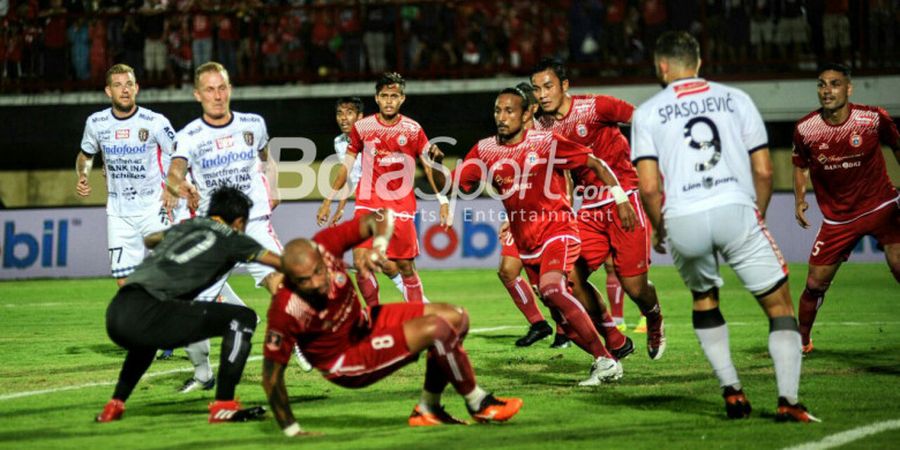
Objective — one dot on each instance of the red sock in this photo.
(616, 295)
(448, 354)
(413, 287)
(369, 288)
(607, 328)
(810, 302)
(522, 296)
(578, 325)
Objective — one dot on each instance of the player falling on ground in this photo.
(839, 147)
(593, 121)
(389, 144)
(228, 148)
(527, 167)
(154, 308)
(510, 268)
(318, 309)
(348, 110)
(708, 143)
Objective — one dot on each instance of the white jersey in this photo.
(340, 147)
(227, 155)
(133, 149)
(702, 134)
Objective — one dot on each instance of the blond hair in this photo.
(211, 66)
(116, 70)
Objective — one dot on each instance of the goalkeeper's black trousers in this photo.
(141, 324)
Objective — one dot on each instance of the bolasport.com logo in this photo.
(23, 247)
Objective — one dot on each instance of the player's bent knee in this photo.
(247, 318)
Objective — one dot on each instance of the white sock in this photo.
(429, 400)
(474, 398)
(714, 342)
(198, 353)
(398, 281)
(786, 351)
(229, 296)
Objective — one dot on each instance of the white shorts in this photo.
(125, 237)
(261, 229)
(739, 235)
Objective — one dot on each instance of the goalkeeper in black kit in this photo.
(154, 309)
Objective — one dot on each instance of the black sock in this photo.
(236, 348)
(137, 361)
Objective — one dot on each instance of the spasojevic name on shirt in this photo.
(696, 107)
(223, 159)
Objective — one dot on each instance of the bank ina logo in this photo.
(21, 250)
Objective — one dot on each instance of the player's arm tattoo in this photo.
(273, 384)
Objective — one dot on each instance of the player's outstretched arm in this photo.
(83, 164)
(338, 184)
(430, 162)
(276, 391)
(623, 207)
(801, 177)
(652, 197)
(270, 259)
(761, 165)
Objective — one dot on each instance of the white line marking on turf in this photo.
(186, 369)
(103, 383)
(846, 437)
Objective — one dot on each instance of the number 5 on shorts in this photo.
(382, 342)
(817, 247)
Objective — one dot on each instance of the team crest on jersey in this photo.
(855, 140)
(248, 137)
(123, 134)
(340, 279)
(143, 134)
(531, 158)
(401, 140)
(581, 129)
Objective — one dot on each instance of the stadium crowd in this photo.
(69, 44)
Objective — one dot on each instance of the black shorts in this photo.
(136, 319)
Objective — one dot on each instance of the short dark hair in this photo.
(518, 93)
(679, 45)
(230, 204)
(554, 64)
(355, 101)
(389, 78)
(528, 90)
(840, 68)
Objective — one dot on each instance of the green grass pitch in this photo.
(57, 367)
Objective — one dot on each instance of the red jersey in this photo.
(389, 160)
(593, 121)
(324, 333)
(845, 162)
(531, 180)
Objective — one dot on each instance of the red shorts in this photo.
(559, 254)
(404, 242)
(602, 234)
(508, 246)
(834, 243)
(381, 352)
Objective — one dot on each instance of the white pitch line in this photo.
(846, 437)
(103, 383)
(186, 369)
